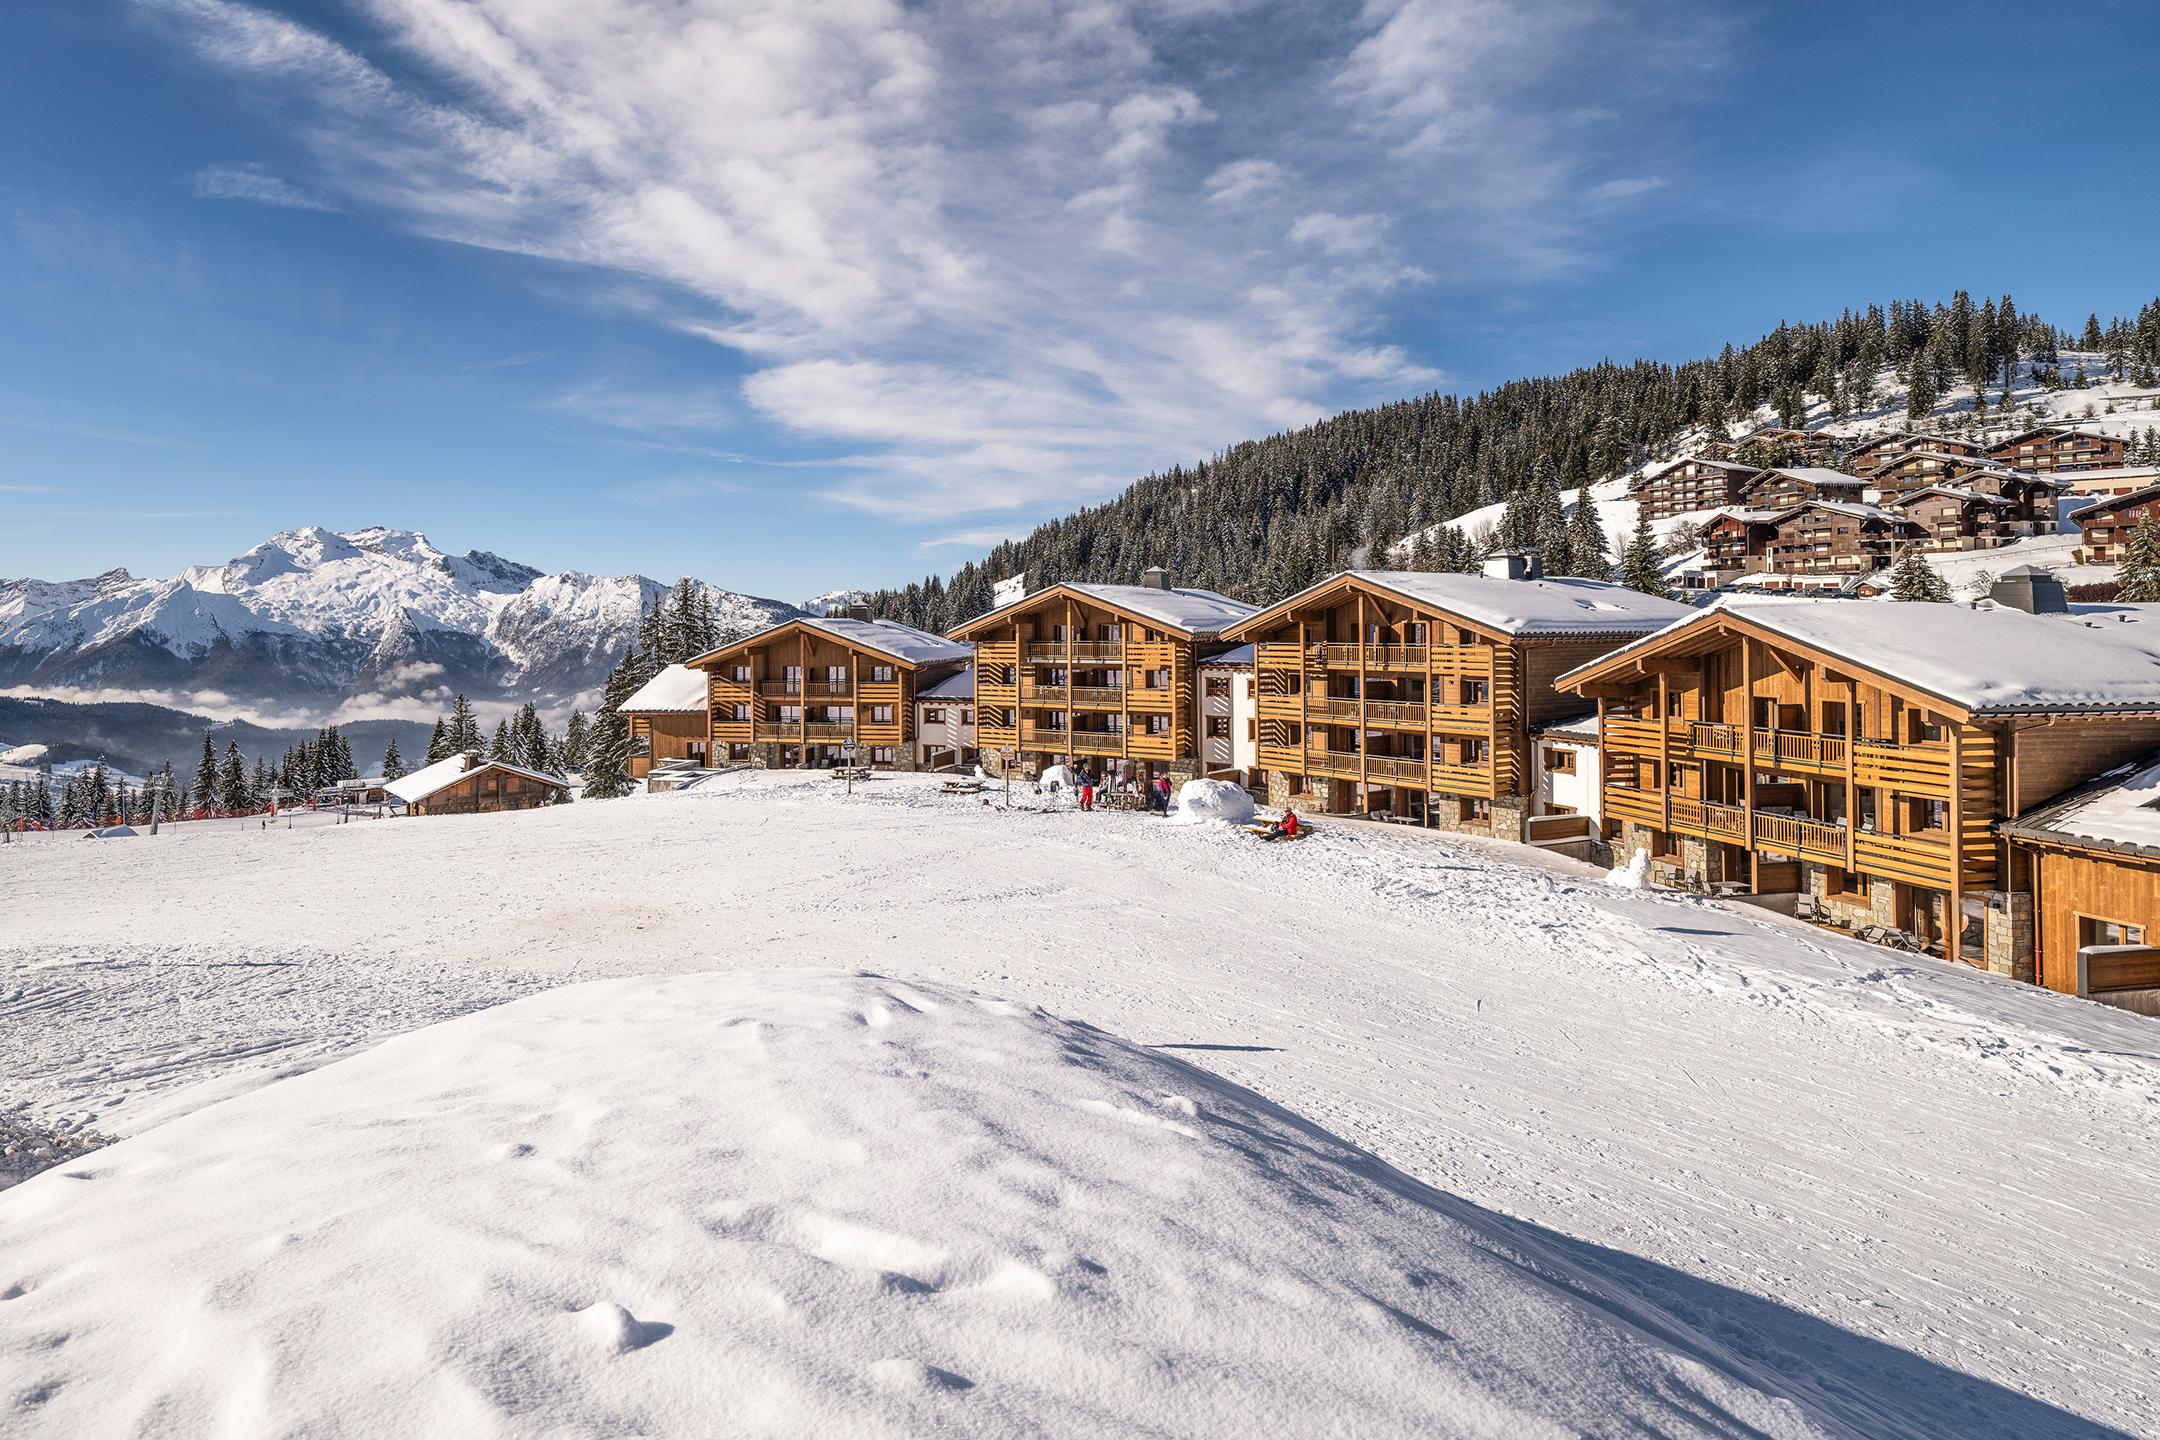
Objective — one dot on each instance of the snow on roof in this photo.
(1196, 612)
(1583, 726)
(1237, 658)
(1894, 436)
(677, 688)
(1552, 606)
(960, 685)
(1671, 465)
(2022, 436)
(1965, 460)
(1985, 659)
(441, 775)
(1955, 492)
(1817, 475)
(1843, 507)
(904, 643)
(2120, 810)
(2115, 502)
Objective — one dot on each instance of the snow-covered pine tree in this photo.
(607, 751)
(499, 747)
(393, 764)
(464, 726)
(232, 781)
(438, 747)
(2137, 579)
(1912, 578)
(1588, 556)
(1641, 565)
(71, 805)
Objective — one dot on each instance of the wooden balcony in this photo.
(1645, 807)
(1277, 655)
(830, 731)
(1370, 657)
(1057, 652)
(1716, 822)
(1914, 769)
(1795, 835)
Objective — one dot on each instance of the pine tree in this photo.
(499, 747)
(438, 747)
(393, 765)
(2137, 579)
(204, 796)
(464, 726)
(232, 782)
(1641, 566)
(1588, 556)
(1912, 578)
(607, 751)
(572, 752)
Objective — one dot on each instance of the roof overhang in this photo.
(775, 632)
(1003, 614)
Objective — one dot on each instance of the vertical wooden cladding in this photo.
(804, 687)
(2073, 886)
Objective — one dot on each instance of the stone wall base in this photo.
(2008, 934)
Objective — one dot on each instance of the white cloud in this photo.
(1621, 190)
(252, 182)
(961, 238)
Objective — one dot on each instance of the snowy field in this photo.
(1132, 1128)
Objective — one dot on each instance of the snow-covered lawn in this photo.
(1733, 1173)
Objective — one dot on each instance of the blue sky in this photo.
(803, 293)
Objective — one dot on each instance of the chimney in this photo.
(1523, 564)
(1155, 578)
(471, 759)
(2031, 589)
(858, 611)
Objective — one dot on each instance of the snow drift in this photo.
(808, 1204)
(1202, 801)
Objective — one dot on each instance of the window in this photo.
(881, 754)
(836, 676)
(740, 674)
(791, 714)
(882, 674)
(967, 716)
(881, 714)
(1473, 692)
(1218, 687)
(1112, 633)
(1413, 632)
(738, 750)
(1158, 679)
(742, 712)
(933, 717)
(1158, 724)
(1847, 885)
(1559, 760)
(791, 676)
(2092, 930)
(1252, 729)
(1218, 727)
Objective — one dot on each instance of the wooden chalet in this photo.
(2056, 448)
(1834, 537)
(1916, 469)
(1686, 486)
(945, 722)
(1953, 517)
(670, 719)
(2082, 487)
(1871, 456)
(1412, 695)
(1100, 674)
(1859, 755)
(2104, 526)
(1777, 489)
(1736, 542)
(469, 784)
(2091, 862)
(794, 696)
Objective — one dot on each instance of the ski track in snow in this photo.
(1941, 1160)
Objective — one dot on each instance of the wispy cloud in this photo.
(508, 362)
(1007, 255)
(254, 183)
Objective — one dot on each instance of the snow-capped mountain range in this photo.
(338, 620)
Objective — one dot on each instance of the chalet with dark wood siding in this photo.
(1412, 695)
(798, 695)
(2104, 527)
(1102, 675)
(1870, 457)
(1859, 755)
(1917, 468)
(1951, 517)
(1797, 485)
(2091, 862)
(670, 719)
(1834, 537)
(1735, 542)
(1686, 486)
(2054, 449)
(467, 784)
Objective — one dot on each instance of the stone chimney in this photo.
(1523, 564)
(858, 611)
(2031, 589)
(1155, 578)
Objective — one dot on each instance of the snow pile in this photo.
(1202, 801)
(803, 1204)
(21, 754)
(1064, 777)
(1634, 875)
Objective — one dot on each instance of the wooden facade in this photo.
(487, 788)
(1872, 456)
(1373, 697)
(1740, 757)
(2056, 449)
(658, 736)
(795, 695)
(1686, 486)
(1781, 489)
(2104, 528)
(1096, 675)
(1916, 469)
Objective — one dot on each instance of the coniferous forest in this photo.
(1267, 517)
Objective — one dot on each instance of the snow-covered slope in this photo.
(807, 1204)
(830, 602)
(317, 617)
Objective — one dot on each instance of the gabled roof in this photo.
(1983, 660)
(1967, 461)
(1238, 657)
(2116, 502)
(2118, 810)
(902, 643)
(1906, 497)
(960, 685)
(1649, 475)
(1842, 507)
(1508, 607)
(430, 779)
(1818, 476)
(1192, 613)
(1908, 435)
(678, 689)
(2035, 434)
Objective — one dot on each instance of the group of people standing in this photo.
(1092, 786)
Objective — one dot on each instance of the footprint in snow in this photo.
(616, 1331)
(914, 1377)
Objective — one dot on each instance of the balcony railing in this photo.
(1798, 835)
(815, 689)
(1053, 652)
